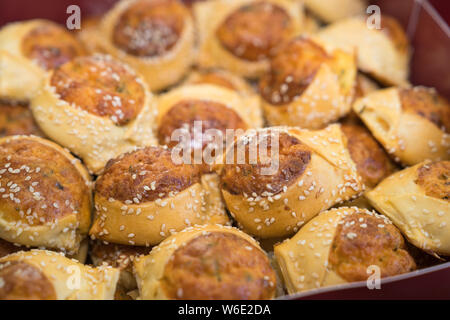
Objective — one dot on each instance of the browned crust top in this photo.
(434, 178)
(292, 70)
(428, 104)
(22, 281)
(145, 175)
(254, 31)
(150, 28)
(248, 178)
(50, 45)
(219, 265)
(362, 240)
(38, 184)
(101, 86)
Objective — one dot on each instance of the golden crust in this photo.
(427, 103)
(213, 115)
(372, 162)
(41, 274)
(24, 282)
(323, 177)
(255, 30)
(217, 107)
(162, 57)
(28, 49)
(391, 113)
(383, 53)
(249, 178)
(307, 85)
(50, 45)
(149, 28)
(337, 246)
(215, 266)
(144, 176)
(144, 203)
(46, 194)
(118, 96)
(210, 262)
(360, 242)
(116, 122)
(235, 35)
(416, 200)
(434, 178)
(16, 119)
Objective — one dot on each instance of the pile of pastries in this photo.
(93, 206)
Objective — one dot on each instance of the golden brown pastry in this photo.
(97, 107)
(338, 246)
(205, 108)
(307, 85)
(29, 50)
(144, 196)
(382, 53)
(372, 162)
(417, 200)
(155, 37)
(45, 194)
(120, 257)
(274, 196)
(206, 263)
(412, 124)
(334, 10)
(47, 275)
(16, 119)
(241, 35)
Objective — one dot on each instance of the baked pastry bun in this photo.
(211, 109)
(307, 85)
(16, 119)
(221, 78)
(412, 124)
(382, 53)
(417, 200)
(241, 35)
(144, 196)
(338, 246)
(334, 10)
(29, 49)
(155, 37)
(206, 263)
(47, 275)
(274, 194)
(45, 194)
(120, 257)
(97, 107)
